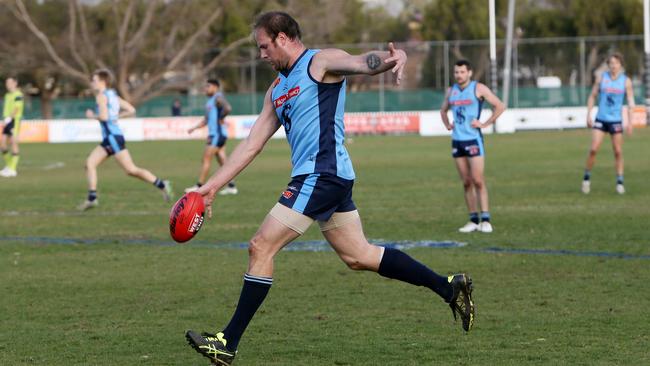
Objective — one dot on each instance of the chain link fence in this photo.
(571, 62)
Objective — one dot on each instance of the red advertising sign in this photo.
(382, 123)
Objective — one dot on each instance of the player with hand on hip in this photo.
(465, 99)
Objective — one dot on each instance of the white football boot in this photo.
(228, 190)
(8, 173)
(469, 227)
(167, 191)
(87, 205)
(586, 186)
(485, 227)
(620, 189)
(193, 188)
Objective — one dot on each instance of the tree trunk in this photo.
(46, 106)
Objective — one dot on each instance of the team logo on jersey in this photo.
(461, 102)
(283, 98)
(613, 91)
(287, 194)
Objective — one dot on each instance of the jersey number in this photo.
(286, 121)
(460, 115)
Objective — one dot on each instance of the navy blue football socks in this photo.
(398, 265)
(485, 216)
(252, 295)
(92, 195)
(473, 217)
(619, 179)
(587, 175)
(159, 183)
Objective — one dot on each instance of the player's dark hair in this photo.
(276, 22)
(616, 55)
(12, 77)
(464, 63)
(105, 75)
(213, 82)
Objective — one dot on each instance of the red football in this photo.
(186, 217)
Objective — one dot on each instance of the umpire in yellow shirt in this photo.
(11, 115)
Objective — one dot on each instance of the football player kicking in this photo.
(308, 99)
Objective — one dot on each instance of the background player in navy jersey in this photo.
(308, 99)
(465, 99)
(216, 109)
(109, 108)
(611, 88)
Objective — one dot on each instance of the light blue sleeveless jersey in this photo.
(212, 114)
(110, 127)
(312, 115)
(612, 95)
(466, 107)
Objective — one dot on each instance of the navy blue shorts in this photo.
(318, 196)
(609, 127)
(217, 140)
(113, 144)
(9, 128)
(469, 148)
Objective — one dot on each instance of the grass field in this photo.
(108, 288)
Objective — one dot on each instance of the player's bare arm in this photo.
(265, 126)
(330, 65)
(591, 100)
(443, 112)
(201, 123)
(629, 92)
(126, 109)
(224, 107)
(102, 106)
(483, 92)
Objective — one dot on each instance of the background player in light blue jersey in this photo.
(216, 110)
(465, 99)
(109, 108)
(307, 99)
(611, 87)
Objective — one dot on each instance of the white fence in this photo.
(425, 123)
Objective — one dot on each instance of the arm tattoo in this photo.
(373, 61)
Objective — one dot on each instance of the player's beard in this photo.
(277, 66)
(462, 81)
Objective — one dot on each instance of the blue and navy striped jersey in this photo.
(110, 126)
(612, 95)
(312, 115)
(466, 107)
(212, 115)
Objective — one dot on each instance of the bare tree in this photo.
(143, 42)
